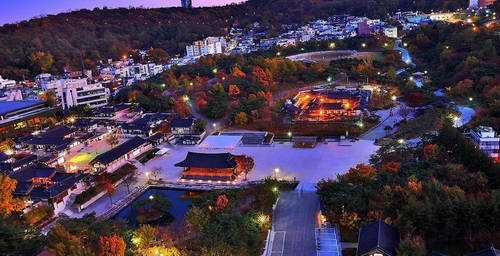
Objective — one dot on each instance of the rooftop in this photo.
(11, 106)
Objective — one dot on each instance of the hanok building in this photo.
(202, 166)
(114, 158)
(183, 130)
(110, 111)
(47, 186)
(330, 104)
(378, 239)
(57, 140)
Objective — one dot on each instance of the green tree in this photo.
(42, 60)
(197, 218)
(241, 119)
(411, 246)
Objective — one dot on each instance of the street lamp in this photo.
(363, 45)
(147, 175)
(276, 170)
(329, 79)
(151, 197)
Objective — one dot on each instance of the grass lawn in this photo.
(324, 59)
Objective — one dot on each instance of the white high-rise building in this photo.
(77, 92)
(210, 45)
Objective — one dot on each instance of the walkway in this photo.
(294, 224)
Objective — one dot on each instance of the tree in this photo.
(234, 91)
(221, 203)
(404, 111)
(110, 246)
(105, 181)
(197, 218)
(42, 60)
(387, 129)
(241, 119)
(157, 55)
(464, 88)
(8, 203)
(361, 175)
(245, 164)
(7, 144)
(143, 237)
(50, 97)
(62, 243)
(411, 246)
(415, 99)
(112, 140)
(131, 178)
(156, 171)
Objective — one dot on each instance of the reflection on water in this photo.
(180, 200)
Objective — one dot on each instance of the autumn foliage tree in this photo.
(415, 99)
(110, 246)
(245, 164)
(8, 203)
(361, 175)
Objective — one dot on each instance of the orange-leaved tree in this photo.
(361, 175)
(245, 164)
(8, 203)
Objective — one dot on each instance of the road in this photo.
(405, 56)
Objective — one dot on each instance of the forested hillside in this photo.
(82, 37)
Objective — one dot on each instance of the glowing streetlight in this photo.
(405, 44)
(151, 197)
(411, 78)
(401, 141)
(147, 175)
(363, 45)
(276, 171)
(470, 99)
(214, 70)
(289, 134)
(9, 152)
(393, 97)
(278, 53)
(329, 79)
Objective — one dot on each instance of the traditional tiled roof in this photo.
(84, 122)
(18, 163)
(178, 122)
(486, 252)
(202, 160)
(156, 136)
(58, 132)
(30, 172)
(378, 235)
(120, 150)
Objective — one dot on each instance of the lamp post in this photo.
(276, 171)
(147, 175)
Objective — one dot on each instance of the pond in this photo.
(180, 200)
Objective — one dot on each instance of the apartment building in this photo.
(487, 140)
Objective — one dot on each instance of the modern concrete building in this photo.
(487, 140)
(77, 92)
(186, 4)
(391, 31)
(6, 83)
(210, 45)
